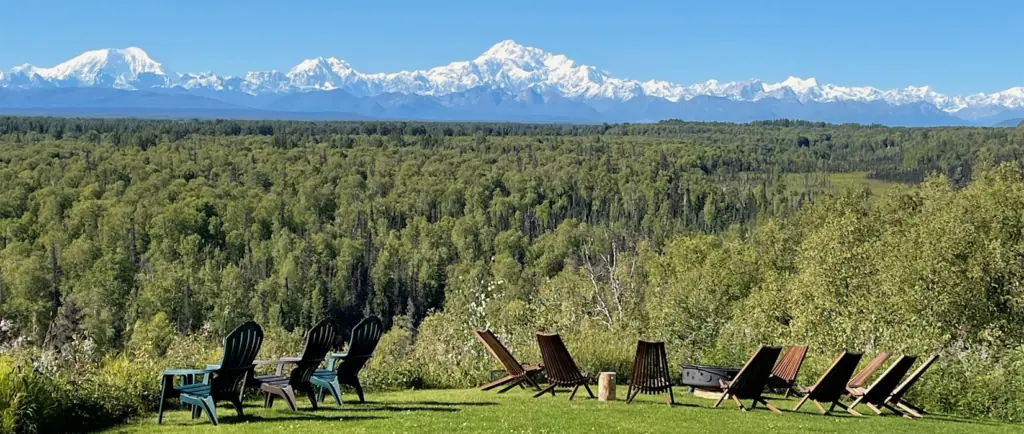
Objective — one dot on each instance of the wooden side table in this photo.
(606, 386)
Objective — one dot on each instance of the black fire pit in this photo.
(707, 377)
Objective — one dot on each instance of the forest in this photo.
(129, 245)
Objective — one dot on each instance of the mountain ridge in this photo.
(508, 67)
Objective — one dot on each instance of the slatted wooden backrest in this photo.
(880, 390)
(751, 380)
(865, 374)
(832, 383)
(365, 337)
(500, 352)
(558, 364)
(906, 385)
(650, 368)
(789, 364)
(319, 340)
(240, 348)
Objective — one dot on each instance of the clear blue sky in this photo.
(956, 46)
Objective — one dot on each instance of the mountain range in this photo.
(508, 82)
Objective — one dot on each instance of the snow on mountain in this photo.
(507, 65)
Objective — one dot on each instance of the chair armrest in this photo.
(333, 358)
(279, 362)
(177, 372)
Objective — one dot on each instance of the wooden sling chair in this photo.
(865, 374)
(650, 372)
(831, 386)
(343, 368)
(318, 342)
(786, 369)
(559, 367)
(877, 396)
(750, 382)
(517, 373)
(221, 382)
(897, 398)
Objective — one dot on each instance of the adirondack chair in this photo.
(517, 373)
(897, 397)
(865, 374)
(343, 368)
(221, 382)
(750, 382)
(650, 372)
(318, 342)
(559, 366)
(878, 394)
(786, 369)
(831, 386)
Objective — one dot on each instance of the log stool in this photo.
(606, 386)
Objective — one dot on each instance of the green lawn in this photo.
(459, 411)
(825, 182)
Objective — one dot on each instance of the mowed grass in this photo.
(473, 411)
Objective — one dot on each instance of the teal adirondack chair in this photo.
(318, 343)
(221, 382)
(343, 368)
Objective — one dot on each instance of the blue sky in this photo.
(958, 47)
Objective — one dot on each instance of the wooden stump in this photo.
(606, 386)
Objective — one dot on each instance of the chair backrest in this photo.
(832, 383)
(909, 382)
(365, 337)
(750, 382)
(650, 368)
(558, 364)
(319, 340)
(500, 352)
(883, 387)
(865, 374)
(789, 364)
(240, 348)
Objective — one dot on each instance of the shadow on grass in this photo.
(452, 404)
(399, 408)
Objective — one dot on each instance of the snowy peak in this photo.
(115, 67)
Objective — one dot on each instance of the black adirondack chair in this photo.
(221, 382)
(750, 382)
(343, 368)
(831, 387)
(318, 343)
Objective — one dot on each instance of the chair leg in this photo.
(877, 410)
(669, 399)
(738, 403)
(499, 382)
(289, 396)
(210, 409)
(769, 405)
(853, 404)
(801, 403)
(359, 389)
(589, 392)
(907, 404)
(268, 400)
(312, 399)
(820, 408)
(163, 397)
(908, 410)
(532, 382)
(721, 398)
(573, 393)
(511, 385)
(335, 390)
(236, 402)
(550, 388)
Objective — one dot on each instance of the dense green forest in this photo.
(150, 238)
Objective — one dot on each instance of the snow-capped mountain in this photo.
(528, 75)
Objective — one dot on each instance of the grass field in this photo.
(825, 182)
(471, 411)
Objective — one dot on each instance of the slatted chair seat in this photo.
(750, 382)
(787, 368)
(221, 382)
(877, 396)
(865, 374)
(559, 366)
(318, 343)
(831, 386)
(518, 373)
(344, 368)
(650, 372)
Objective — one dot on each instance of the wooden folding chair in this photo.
(518, 373)
(877, 396)
(559, 366)
(897, 397)
(786, 369)
(750, 382)
(831, 386)
(650, 372)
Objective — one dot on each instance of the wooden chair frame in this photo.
(518, 373)
(750, 382)
(650, 372)
(559, 366)
(831, 386)
(787, 368)
(877, 396)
